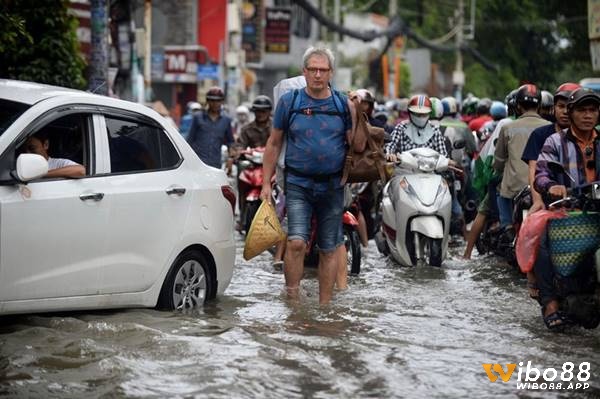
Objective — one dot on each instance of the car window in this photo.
(136, 147)
(65, 140)
(9, 112)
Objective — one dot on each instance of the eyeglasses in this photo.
(313, 71)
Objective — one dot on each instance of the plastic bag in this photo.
(530, 234)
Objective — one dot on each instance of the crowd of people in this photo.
(508, 146)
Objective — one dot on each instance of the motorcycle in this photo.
(502, 241)
(250, 180)
(579, 293)
(416, 210)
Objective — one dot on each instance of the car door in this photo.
(149, 199)
(53, 231)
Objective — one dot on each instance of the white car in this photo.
(149, 224)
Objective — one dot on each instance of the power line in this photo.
(397, 27)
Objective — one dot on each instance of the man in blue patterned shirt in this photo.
(317, 125)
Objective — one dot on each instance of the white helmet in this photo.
(242, 109)
(193, 106)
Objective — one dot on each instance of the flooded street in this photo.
(396, 332)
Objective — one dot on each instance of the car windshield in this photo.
(9, 112)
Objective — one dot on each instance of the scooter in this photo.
(250, 184)
(416, 210)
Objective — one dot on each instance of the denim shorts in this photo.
(328, 207)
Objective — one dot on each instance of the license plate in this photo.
(457, 185)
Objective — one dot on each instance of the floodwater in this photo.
(395, 333)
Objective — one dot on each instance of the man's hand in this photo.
(391, 158)
(265, 193)
(536, 206)
(558, 191)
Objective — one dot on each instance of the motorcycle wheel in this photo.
(481, 245)
(352, 243)
(434, 251)
(251, 209)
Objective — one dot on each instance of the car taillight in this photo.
(229, 195)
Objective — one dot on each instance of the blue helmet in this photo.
(498, 110)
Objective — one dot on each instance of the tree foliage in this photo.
(542, 42)
(38, 43)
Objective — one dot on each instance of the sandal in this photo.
(278, 264)
(555, 321)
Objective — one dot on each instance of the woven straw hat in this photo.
(265, 231)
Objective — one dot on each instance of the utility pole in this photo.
(458, 76)
(98, 82)
(336, 36)
(147, 49)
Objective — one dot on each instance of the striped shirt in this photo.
(562, 147)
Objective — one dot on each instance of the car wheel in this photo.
(188, 284)
(352, 243)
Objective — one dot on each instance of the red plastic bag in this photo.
(528, 243)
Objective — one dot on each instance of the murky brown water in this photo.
(397, 332)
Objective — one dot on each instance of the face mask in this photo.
(419, 121)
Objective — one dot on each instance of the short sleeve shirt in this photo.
(316, 142)
(57, 163)
(536, 142)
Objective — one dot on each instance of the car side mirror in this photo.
(31, 166)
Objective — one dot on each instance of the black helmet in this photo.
(564, 90)
(511, 102)
(483, 106)
(261, 103)
(547, 100)
(529, 94)
(580, 96)
(215, 93)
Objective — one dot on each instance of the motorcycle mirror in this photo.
(458, 144)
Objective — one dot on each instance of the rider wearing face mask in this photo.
(416, 132)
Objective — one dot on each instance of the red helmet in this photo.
(215, 93)
(419, 104)
(565, 90)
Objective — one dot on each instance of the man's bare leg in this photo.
(328, 266)
(341, 280)
(294, 266)
(473, 234)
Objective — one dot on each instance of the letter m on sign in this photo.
(505, 376)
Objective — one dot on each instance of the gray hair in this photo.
(323, 51)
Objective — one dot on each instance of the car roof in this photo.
(31, 92)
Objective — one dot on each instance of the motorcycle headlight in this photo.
(427, 164)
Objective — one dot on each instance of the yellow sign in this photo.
(499, 370)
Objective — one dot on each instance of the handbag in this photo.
(368, 165)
